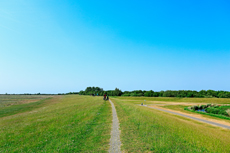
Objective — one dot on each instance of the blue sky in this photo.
(54, 46)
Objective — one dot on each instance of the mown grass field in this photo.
(147, 130)
(59, 124)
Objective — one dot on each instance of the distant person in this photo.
(107, 97)
(104, 96)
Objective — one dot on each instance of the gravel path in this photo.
(194, 118)
(115, 143)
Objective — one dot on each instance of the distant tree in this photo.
(117, 92)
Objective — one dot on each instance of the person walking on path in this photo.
(104, 97)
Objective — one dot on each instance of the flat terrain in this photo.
(73, 123)
(148, 130)
(14, 104)
(8, 100)
(60, 124)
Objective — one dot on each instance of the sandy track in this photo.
(115, 143)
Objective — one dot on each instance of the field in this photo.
(147, 130)
(8, 100)
(58, 124)
(73, 123)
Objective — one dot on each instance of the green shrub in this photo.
(195, 108)
(216, 110)
(203, 106)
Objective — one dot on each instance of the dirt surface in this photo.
(193, 116)
(115, 143)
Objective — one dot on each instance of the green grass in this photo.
(147, 130)
(65, 124)
(209, 114)
(15, 109)
(175, 99)
(8, 100)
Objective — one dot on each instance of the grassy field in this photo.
(8, 100)
(147, 130)
(149, 100)
(58, 124)
(73, 123)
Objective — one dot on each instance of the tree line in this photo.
(100, 92)
(169, 93)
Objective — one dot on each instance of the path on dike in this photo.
(194, 118)
(115, 143)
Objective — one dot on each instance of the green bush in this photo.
(195, 107)
(203, 106)
(216, 110)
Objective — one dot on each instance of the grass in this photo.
(149, 100)
(182, 108)
(9, 100)
(73, 123)
(15, 109)
(147, 130)
(64, 124)
(209, 114)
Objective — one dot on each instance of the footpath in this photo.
(115, 143)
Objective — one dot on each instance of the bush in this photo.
(195, 108)
(214, 110)
(203, 106)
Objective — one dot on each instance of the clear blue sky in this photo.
(53, 46)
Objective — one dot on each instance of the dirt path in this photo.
(115, 143)
(197, 118)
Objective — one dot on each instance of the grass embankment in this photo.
(66, 124)
(9, 100)
(15, 109)
(175, 99)
(147, 130)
